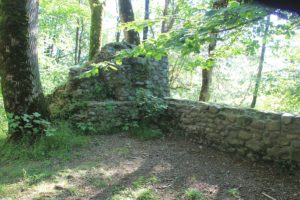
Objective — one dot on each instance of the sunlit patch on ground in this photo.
(152, 169)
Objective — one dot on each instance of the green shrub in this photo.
(149, 106)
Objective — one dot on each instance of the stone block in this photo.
(279, 153)
(295, 155)
(214, 109)
(254, 145)
(287, 118)
(234, 141)
(244, 135)
(273, 125)
(244, 121)
(258, 124)
(296, 143)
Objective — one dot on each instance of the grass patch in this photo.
(233, 192)
(58, 146)
(147, 133)
(142, 181)
(98, 182)
(193, 194)
(148, 194)
(121, 151)
(22, 166)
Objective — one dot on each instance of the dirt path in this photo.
(118, 167)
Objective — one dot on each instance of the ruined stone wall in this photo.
(248, 132)
(105, 101)
(122, 82)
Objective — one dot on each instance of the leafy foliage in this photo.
(149, 106)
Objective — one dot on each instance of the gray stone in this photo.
(292, 136)
(258, 124)
(296, 143)
(213, 109)
(297, 120)
(273, 126)
(245, 135)
(295, 155)
(287, 118)
(254, 145)
(234, 141)
(278, 153)
(244, 121)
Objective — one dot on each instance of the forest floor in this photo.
(120, 167)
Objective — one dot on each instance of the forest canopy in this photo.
(188, 25)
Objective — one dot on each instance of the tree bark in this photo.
(80, 41)
(207, 73)
(147, 14)
(127, 15)
(96, 27)
(76, 43)
(167, 25)
(165, 13)
(261, 63)
(19, 70)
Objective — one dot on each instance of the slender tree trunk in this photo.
(167, 25)
(96, 27)
(76, 43)
(118, 32)
(165, 13)
(147, 14)
(207, 73)
(80, 41)
(127, 15)
(261, 63)
(19, 70)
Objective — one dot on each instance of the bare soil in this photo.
(119, 165)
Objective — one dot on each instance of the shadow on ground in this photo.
(119, 167)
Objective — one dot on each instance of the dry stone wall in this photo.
(247, 132)
(252, 133)
(105, 101)
(121, 83)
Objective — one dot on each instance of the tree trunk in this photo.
(165, 13)
(207, 73)
(19, 70)
(76, 43)
(127, 15)
(80, 41)
(96, 27)
(261, 63)
(167, 25)
(147, 14)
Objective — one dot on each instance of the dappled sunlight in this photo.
(162, 167)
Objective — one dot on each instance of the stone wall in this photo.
(248, 132)
(105, 101)
(122, 82)
(105, 117)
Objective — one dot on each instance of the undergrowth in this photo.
(23, 165)
(57, 145)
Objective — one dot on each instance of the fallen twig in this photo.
(266, 195)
